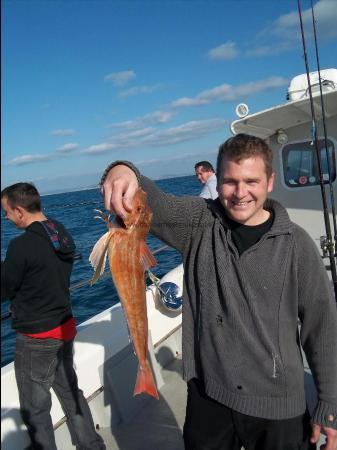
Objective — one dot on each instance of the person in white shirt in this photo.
(205, 173)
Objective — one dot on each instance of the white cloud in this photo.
(325, 12)
(188, 101)
(137, 90)
(285, 33)
(134, 134)
(158, 137)
(185, 132)
(120, 78)
(227, 92)
(155, 117)
(67, 148)
(224, 51)
(100, 148)
(29, 159)
(63, 132)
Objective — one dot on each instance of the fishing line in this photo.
(324, 126)
(330, 245)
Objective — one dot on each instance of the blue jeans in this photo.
(39, 365)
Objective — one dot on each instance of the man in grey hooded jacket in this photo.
(250, 274)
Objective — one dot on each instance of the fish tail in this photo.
(145, 381)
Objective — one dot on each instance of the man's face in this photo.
(13, 214)
(202, 174)
(243, 187)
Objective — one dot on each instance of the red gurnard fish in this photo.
(129, 257)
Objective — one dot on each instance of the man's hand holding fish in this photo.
(118, 190)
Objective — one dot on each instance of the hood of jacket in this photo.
(57, 235)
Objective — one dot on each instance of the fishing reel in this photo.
(169, 293)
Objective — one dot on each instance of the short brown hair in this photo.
(243, 146)
(23, 194)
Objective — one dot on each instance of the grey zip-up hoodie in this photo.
(240, 312)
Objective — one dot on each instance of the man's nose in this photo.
(241, 190)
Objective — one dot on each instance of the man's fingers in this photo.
(128, 196)
(106, 193)
(316, 431)
(331, 439)
(119, 189)
(118, 203)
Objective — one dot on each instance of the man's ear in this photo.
(271, 182)
(20, 211)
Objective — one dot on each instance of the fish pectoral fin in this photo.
(98, 256)
(146, 257)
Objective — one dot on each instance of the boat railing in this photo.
(80, 284)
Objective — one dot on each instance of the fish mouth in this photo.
(120, 222)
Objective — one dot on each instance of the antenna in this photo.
(324, 127)
(329, 242)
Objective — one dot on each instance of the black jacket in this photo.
(35, 276)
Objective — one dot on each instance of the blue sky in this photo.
(155, 82)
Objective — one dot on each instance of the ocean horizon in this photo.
(44, 193)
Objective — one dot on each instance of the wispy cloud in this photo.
(62, 151)
(227, 92)
(134, 134)
(158, 137)
(120, 78)
(68, 148)
(63, 132)
(224, 51)
(137, 90)
(104, 147)
(28, 159)
(153, 118)
(185, 132)
(284, 31)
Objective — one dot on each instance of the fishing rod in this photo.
(330, 245)
(332, 198)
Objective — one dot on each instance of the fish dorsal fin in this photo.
(146, 257)
(98, 256)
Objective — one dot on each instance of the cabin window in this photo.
(300, 163)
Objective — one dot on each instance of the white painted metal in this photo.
(298, 87)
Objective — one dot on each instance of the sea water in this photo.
(76, 211)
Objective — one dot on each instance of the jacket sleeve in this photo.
(12, 271)
(318, 316)
(175, 219)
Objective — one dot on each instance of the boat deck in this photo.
(158, 426)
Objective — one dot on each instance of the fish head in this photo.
(141, 214)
